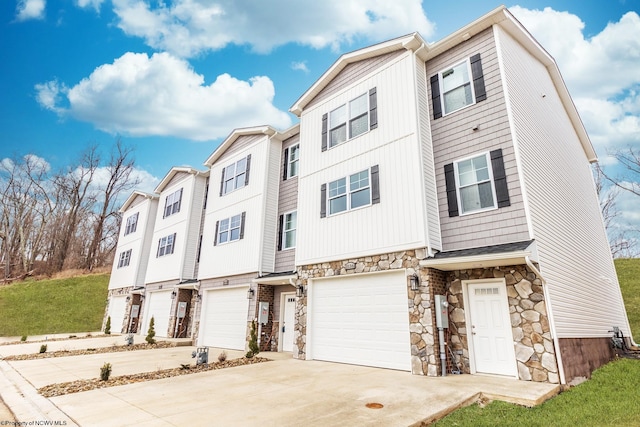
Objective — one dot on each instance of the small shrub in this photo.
(105, 372)
(72, 336)
(151, 333)
(107, 327)
(222, 356)
(43, 348)
(253, 342)
(23, 338)
(185, 366)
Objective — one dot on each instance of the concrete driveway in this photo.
(282, 392)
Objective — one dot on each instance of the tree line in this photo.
(65, 219)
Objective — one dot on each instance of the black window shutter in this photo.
(173, 244)
(323, 200)
(478, 78)
(158, 251)
(286, 164)
(179, 201)
(280, 224)
(500, 179)
(325, 117)
(246, 176)
(222, 181)
(166, 202)
(215, 236)
(375, 185)
(450, 181)
(242, 225)
(373, 108)
(435, 97)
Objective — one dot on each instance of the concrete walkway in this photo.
(283, 392)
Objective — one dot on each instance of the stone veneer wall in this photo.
(423, 342)
(117, 292)
(534, 348)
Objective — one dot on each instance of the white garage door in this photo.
(362, 320)
(159, 306)
(224, 318)
(117, 309)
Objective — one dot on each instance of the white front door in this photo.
(491, 334)
(288, 321)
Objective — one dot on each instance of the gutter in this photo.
(550, 318)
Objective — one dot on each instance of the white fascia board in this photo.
(133, 196)
(176, 170)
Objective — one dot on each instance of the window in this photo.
(351, 192)
(350, 120)
(125, 258)
(476, 184)
(291, 158)
(287, 230)
(235, 176)
(229, 229)
(457, 87)
(172, 203)
(166, 245)
(132, 224)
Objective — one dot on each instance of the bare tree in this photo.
(105, 217)
(630, 179)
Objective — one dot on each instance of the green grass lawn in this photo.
(53, 306)
(629, 277)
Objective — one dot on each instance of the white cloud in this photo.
(163, 96)
(189, 27)
(95, 4)
(601, 71)
(30, 9)
(300, 66)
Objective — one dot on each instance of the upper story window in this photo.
(476, 184)
(166, 245)
(172, 203)
(235, 175)
(132, 224)
(291, 161)
(229, 229)
(350, 120)
(287, 230)
(124, 259)
(350, 192)
(458, 86)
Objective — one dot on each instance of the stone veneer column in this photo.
(419, 303)
(533, 343)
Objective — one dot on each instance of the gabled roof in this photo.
(233, 136)
(175, 170)
(133, 196)
(425, 51)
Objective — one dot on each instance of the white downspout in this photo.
(552, 326)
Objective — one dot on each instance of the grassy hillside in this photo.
(629, 276)
(53, 306)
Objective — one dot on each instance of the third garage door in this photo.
(362, 320)
(224, 318)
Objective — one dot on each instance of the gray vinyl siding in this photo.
(287, 202)
(454, 139)
(573, 249)
(351, 73)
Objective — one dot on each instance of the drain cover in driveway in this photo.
(374, 405)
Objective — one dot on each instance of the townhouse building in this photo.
(433, 210)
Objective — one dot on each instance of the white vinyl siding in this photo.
(394, 147)
(573, 249)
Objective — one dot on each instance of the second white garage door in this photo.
(361, 320)
(117, 310)
(224, 318)
(158, 306)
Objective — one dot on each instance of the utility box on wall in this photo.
(442, 312)
(263, 312)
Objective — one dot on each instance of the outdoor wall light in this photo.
(250, 293)
(128, 298)
(173, 294)
(414, 280)
(198, 297)
(300, 291)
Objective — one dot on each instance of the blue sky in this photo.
(172, 78)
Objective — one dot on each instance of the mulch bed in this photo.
(53, 390)
(81, 352)
(70, 337)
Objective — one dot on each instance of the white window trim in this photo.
(131, 223)
(228, 230)
(124, 259)
(166, 244)
(235, 176)
(289, 162)
(348, 194)
(284, 230)
(441, 83)
(348, 138)
(491, 180)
